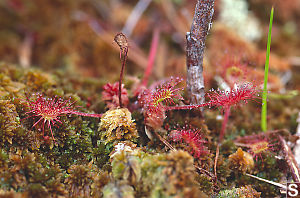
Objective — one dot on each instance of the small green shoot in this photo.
(264, 94)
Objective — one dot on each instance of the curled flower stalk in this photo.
(49, 110)
(122, 42)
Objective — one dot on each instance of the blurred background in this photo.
(77, 36)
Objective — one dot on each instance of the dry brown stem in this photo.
(135, 15)
(290, 159)
(216, 160)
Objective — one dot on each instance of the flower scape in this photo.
(90, 112)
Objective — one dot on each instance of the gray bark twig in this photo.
(195, 49)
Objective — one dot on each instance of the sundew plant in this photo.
(146, 126)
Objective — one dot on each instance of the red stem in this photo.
(152, 55)
(94, 115)
(168, 108)
(121, 75)
(224, 124)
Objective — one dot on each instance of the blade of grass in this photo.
(265, 93)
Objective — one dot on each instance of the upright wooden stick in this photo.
(195, 49)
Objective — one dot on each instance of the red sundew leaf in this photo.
(110, 95)
(48, 110)
(152, 101)
(260, 147)
(167, 92)
(240, 94)
(233, 69)
(258, 144)
(192, 138)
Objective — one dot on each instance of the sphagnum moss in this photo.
(117, 125)
(9, 121)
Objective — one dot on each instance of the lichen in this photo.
(235, 14)
(126, 167)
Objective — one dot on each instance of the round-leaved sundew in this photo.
(241, 93)
(48, 110)
(192, 139)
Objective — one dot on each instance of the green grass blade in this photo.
(265, 90)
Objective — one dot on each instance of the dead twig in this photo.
(297, 144)
(216, 160)
(121, 40)
(164, 141)
(267, 181)
(25, 50)
(195, 49)
(290, 159)
(175, 20)
(135, 15)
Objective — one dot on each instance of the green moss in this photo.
(206, 184)
(26, 172)
(80, 179)
(223, 170)
(84, 145)
(228, 147)
(118, 189)
(242, 192)
(9, 121)
(161, 175)
(126, 167)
